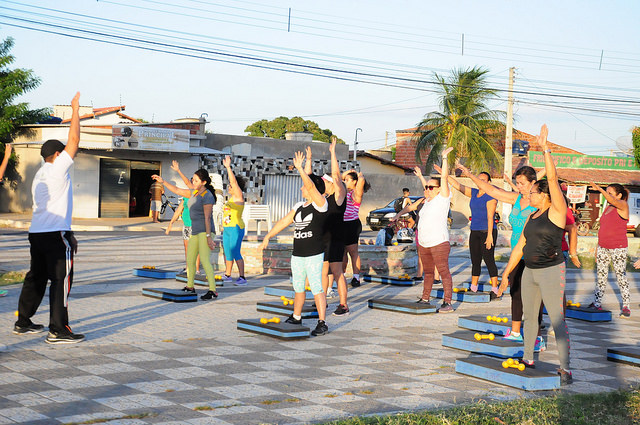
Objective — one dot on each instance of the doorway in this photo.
(139, 198)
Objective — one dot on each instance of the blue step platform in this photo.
(401, 306)
(485, 287)
(629, 355)
(280, 330)
(308, 312)
(480, 323)
(466, 297)
(464, 340)
(154, 273)
(587, 314)
(175, 295)
(286, 290)
(200, 279)
(390, 280)
(539, 379)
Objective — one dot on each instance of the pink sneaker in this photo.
(474, 287)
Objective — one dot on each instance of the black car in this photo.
(379, 218)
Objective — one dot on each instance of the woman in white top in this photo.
(433, 246)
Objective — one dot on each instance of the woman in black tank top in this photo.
(543, 279)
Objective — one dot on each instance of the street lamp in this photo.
(355, 144)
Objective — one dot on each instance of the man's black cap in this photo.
(50, 147)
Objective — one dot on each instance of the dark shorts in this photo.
(352, 230)
(334, 252)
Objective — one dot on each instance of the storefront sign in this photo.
(565, 160)
(149, 138)
(576, 194)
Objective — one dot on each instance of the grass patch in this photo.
(214, 408)
(10, 278)
(292, 400)
(612, 408)
(366, 392)
(103, 420)
(268, 402)
(330, 395)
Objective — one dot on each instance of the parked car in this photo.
(634, 214)
(380, 218)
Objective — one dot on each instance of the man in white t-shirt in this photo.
(52, 242)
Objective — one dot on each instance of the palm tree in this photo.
(464, 122)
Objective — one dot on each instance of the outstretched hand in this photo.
(7, 150)
(157, 178)
(332, 145)
(417, 171)
(446, 151)
(226, 161)
(308, 152)
(175, 166)
(465, 170)
(437, 168)
(542, 137)
(75, 102)
(298, 160)
(503, 284)
(637, 264)
(594, 186)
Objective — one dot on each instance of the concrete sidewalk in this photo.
(187, 363)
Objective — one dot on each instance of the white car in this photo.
(634, 214)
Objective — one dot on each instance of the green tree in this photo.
(277, 128)
(635, 138)
(13, 84)
(464, 122)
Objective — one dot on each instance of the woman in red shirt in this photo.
(613, 244)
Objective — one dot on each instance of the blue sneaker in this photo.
(540, 345)
(511, 337)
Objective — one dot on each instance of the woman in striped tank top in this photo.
(356, 186)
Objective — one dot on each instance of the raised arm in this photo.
(359, 190)
(236, 192)
(418, 173)
(491, 212)
(465, 190)
(5, 160)
(509, 180)
(444, 179)
(175, 166)
(410, 207)
(488, 188)
(316, 196)
(621, 205)
(338, 184)
(73, 140)
(176, 214)
(558, 210)
(175, 189)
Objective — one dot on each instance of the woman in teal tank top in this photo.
(521, 210)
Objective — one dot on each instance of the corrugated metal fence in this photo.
(281, 192)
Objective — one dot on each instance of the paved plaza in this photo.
(188, 364)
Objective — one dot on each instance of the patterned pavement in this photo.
(187, 363)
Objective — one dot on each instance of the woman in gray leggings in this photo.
(543, 279)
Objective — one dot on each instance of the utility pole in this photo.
(355, 144)
(508, 143)
(386, 138)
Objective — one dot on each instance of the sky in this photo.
(577, 63)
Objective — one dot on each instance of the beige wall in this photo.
(374, 166)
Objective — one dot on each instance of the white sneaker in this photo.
(332, 293)
(226, 278)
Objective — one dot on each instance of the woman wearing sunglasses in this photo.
(433, 246)
(543, 279)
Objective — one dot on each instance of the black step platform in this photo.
(200, 279)
(308, 312)
(390, 280)
(465, 340)
(401, 305)
(175, 295)
(480, 323)
(624, 354)
(465, 297)
(280, 330)
(543, 377)
(154, 273)
(587, 314)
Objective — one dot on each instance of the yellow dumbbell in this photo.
(307, 288)
(286, 301)
(490, 337)
(572, 304)
(514, 364)
(460, 289)
(404, 276)
(218, 278)
(149, 267)
(272, 320)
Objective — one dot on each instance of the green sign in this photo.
(567, 160)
